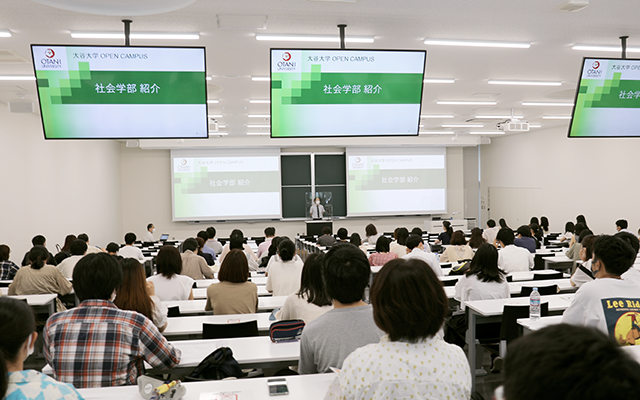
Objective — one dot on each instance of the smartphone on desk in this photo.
(277, 387)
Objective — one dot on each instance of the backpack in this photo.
(216, 366)
(287, 330)
(462, 267)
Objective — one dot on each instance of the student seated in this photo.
(445, 237)
(457, 250)
(169, 283)
(285, 272)
(602, 302)
(17, 340)
(193, 265)
(510, 257)
(569, 229)
(330, 338)
(65, 251)
(206, 249)
(490, 233)
(129, 250)
(90, 249)
(382, 254)
(312, 300)
(78, 250)
(269, 234)
(96, 344)
(411, 360)
(399, 246)
(213, 242)
(632, 273)
(576, 244)
(563, 362)
(525, 240)
(343, 235)
(237, 240)
(8, 269)
(207, 257)
(326, 240)
(39, 240)
(371, 234)
(112, 248)
(357, 241)
(544, 225)
(416, 249)
(622, 225)
(583, 273)
(476, 239)
(234, 294)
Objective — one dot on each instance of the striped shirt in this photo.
(96, 344)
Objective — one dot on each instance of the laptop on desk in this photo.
(164, 237)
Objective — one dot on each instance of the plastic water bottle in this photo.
(534, 305)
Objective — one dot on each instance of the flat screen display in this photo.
(230, 185)
(337, 93)
(607, 101)
(396, 182)
(100, 92)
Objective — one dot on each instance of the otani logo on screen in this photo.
(286, 64)
(50, 61)
(595, 65)
(594, 71)
(286, 56)
(49, 53)
(357, 163)
(183, 165)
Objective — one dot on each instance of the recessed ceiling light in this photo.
(258, 133)
(468, 103)
(259, 101)
(524, 83)
(487, 133)
(218, 133)
(477, 43)
(260, 78)
(434, 80)
(535, 126)
(314, 38)
(213, 101)
(462, 125)
(436, 132)
(258, 126)
(498, 116)
(437, 116)
(530, 103)
(556, 117)
(17, 78)
(615, 49)
(5, 33)
(215, 115)
(259, 116)
(136, 35)
(222, 126)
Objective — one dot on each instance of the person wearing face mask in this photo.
(416, 249)
(148, 235)
(17, 341)
(97, 344)
(316, 210)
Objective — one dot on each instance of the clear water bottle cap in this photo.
(535, 288)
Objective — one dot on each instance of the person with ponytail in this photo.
(285, 273)
(40, 278)
(17, 341)
(445, 237)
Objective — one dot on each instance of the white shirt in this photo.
(632, 274)
(175, 289)
(597, 305)
(296, 307)
(513, 259)
(313, 210)
(284, 277)
(399, 249)
(566, 236)
(471, 288)
(131, 252)
(431, 369)
(579, 278)
(159, 312)
(245, 247)
(215, 245)
(429, 258)
(92, 249)
(67, 265)
(490, 234)
(148, 237)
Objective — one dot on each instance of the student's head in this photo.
(236, 240)
(150, 227)
(382, 245)
(132, 293)
(408, 300)
(269, 231)
(39, 240)
(84, 237)
(346, 273)
(503, 223)
(476, 238)
(570, 363)
(78, 247)
(201, 243)
(190, 244)
(611, 254)
(312, 283)
(96, 276)
(211, 231)
(343, 234)
(416, 231)
(5, 252)
(235, 267)
(273, 248)
(484, 264)
(578, 228)
(581, 218)
(414, 241)
(286, 250)
(631, 239)
(236, 233)
(621, 224)
(316, 200)
(370, 230)
(402, 235)
(534, 220)
(569, 227)
(355, 239)
(67, 242)
(130, 238)
(491, 223)
(326, 230)
(204, 235)
(544, 223)
(112, 248)
(586, 251)
(584, 232)
(169, 262)
(457, 239)
(38, 256)
(505, 235)
(446, 226)
(535, 230)
(16, 341)
(524, 231)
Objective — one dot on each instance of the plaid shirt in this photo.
(8, 270)
(96, 344)
(378, 259)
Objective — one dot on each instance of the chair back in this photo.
(173, 311)
(509, 328)
(544, 277)
(234, 330)
(543, 290)
(450, 282)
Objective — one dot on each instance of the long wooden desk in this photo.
(191, 327)
(205, 283)
(516, 287)
(201, 293)
(40, 303)
(195, 307)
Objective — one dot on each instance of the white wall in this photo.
(55, 188)
(593, 177)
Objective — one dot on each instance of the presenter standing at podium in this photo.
(316, 210)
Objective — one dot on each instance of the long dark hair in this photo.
(476, 239)
(503, 223)
(447, 227)
(18, 323)
(485, 264)
(132, 293)
(67, 243)
(544, 223)
(311, 283)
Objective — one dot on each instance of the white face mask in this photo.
(30, 348)
(153, 230)
(317, 201)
